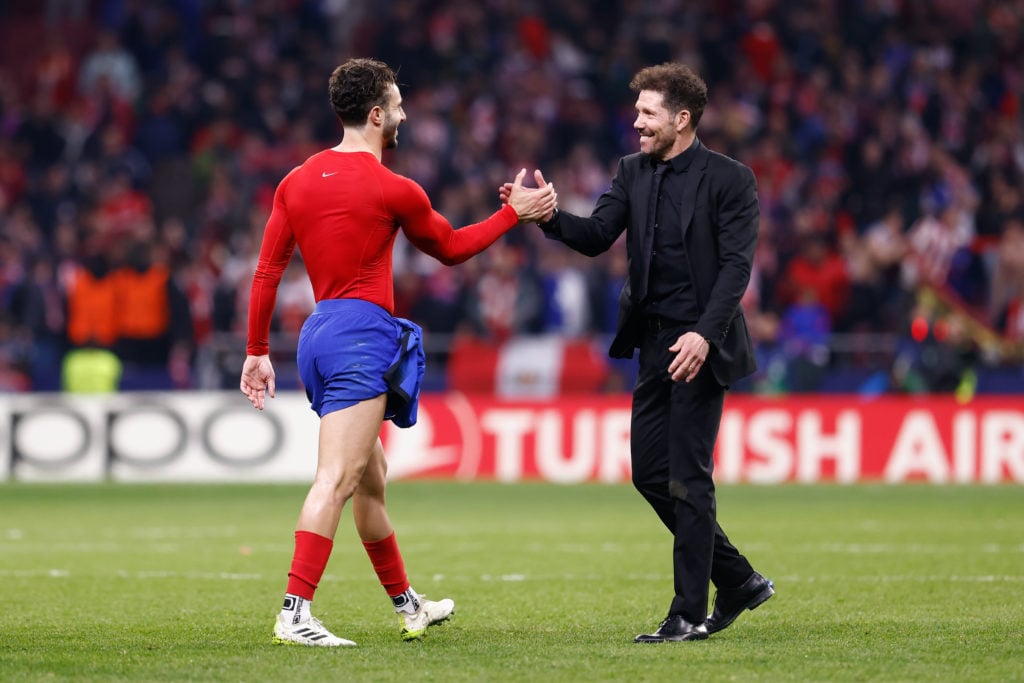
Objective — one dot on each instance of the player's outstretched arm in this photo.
(434, 235)
(258, 380)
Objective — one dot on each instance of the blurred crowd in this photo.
(141, 142)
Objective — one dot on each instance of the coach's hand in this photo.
(691, 351)
(530, 204)
(257, 380)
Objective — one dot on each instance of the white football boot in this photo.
(309, 632)
(415, 624)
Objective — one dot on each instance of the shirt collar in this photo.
(680, 163)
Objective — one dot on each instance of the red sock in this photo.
(308, 563)
(387, 562)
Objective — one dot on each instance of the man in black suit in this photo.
(691, 218)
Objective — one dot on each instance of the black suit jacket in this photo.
(719, 217)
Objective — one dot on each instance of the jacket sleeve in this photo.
(737, 222)
(594, 235)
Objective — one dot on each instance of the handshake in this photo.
(531, 204)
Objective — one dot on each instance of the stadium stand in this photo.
(887, 138)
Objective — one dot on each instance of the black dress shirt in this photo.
(670, 292)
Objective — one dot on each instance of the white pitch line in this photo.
(164, 574)
(91, 547)
(171, 532)
(57, 573)
(905, 578)
(35, 573)
(905, 548)
(64, 547)
(14, 542)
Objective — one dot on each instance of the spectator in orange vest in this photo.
(153, 321)
(91, 303)
(91, 297)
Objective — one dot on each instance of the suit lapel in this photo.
(694, 176)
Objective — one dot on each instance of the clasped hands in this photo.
(531, 204)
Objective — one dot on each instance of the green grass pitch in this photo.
(181, 583)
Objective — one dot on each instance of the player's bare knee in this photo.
(371, 487)
(340, 486)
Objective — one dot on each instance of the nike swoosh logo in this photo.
(325, 174)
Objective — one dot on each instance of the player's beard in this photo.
(390, 132)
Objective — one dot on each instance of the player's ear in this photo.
(376, 116)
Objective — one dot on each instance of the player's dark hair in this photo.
(679, 86)
(357, 86)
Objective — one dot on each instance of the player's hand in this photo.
(691, 351)
(258, 380)
(531, 204)
(506, 188)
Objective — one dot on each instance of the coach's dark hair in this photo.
(357, 86)
(680, 87)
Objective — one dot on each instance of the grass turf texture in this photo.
(171, 583)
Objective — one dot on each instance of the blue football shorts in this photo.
(345, 348)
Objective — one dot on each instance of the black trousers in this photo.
(674, 428)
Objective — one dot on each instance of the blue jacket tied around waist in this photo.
(405, 375)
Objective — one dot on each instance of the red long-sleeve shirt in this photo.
(343, 210)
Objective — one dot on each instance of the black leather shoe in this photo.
(673, 630)
(730, 603)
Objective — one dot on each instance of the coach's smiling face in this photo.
(663, 133)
